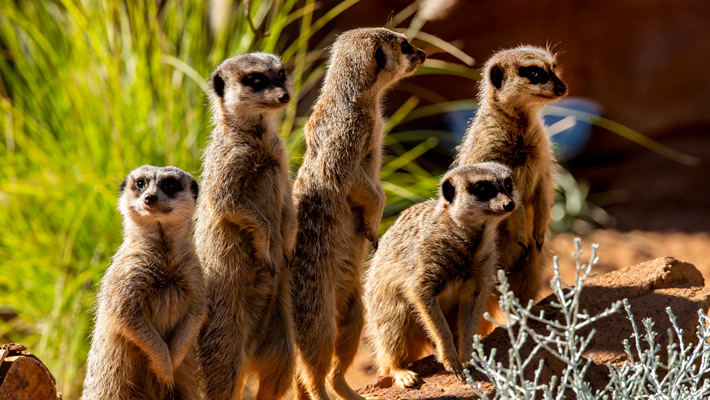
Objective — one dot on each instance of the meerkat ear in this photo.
(381, 59)
(218, 84)
(122, 186)
(448, 190)
(496, 76)
(194, 188)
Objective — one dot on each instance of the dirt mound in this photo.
(650, 287)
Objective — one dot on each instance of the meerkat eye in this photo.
(281, 75)
(508, 185)
(407, 48)
(140, 183)
(170, 186)
(535, 75)
(483, 190)
(256, 81)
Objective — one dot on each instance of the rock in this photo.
(650, 287)
(23, 376)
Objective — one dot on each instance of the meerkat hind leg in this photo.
(276, 358)
(350, 326)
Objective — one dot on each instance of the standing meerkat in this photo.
(433, 275)
(508, 129)
(151, 302)
(245, 230)
(339, 203)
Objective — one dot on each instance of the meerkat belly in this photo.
(167, 307)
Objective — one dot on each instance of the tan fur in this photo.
(151, 302)
(508, 129)
(432, 276)
(245, 230)
(339, 203)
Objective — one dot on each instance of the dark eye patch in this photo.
(256, 81)
(483, 190)
(535, 75)
(170, 186)
(508, 185)
(407, 48)
(281, 75)
(140, 184)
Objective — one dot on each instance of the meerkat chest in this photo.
(167, 300)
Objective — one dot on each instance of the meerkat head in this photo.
(160, 194)
(371, 58)
(520, 77)
(249, 84)
(478, 193)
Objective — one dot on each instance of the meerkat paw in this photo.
(372, 237)
(539, 241)
(404, 378)
(453, 365)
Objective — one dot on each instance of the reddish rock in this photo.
(23, 376)
(650, 287)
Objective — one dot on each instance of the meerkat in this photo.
(508, 129)
(245, 231)
(339, 203)
(151, 301)
(433, 274)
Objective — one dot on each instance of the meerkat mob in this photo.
(151, 302)
(433, 274)
(244, 233)
(508, 129)
(339, 203)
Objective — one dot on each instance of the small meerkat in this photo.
(339, 203)
(244, 233)
(151, 302)
(433, 274)
(508, 129)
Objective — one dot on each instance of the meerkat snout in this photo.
(150, 199)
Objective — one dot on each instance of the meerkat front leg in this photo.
(135, 327)
(185, 333)
(255, 223)
(289, 228)
(541, 217)
(369, 195)
(434, 322)
(472, 304)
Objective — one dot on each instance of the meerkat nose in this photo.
(509, 206)
(150, 199)
(421, 54)
(560, 88)
(284, 97)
